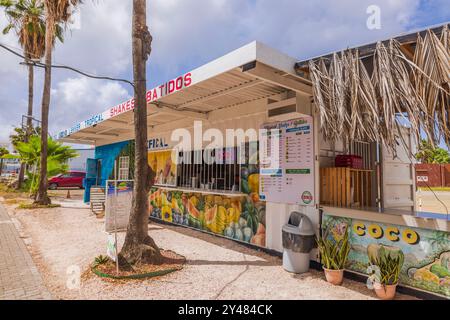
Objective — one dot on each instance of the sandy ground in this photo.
(64, 239)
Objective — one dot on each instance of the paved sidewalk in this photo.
(19, 277)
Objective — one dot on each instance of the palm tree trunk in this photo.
(29, 121)
(42, 197)
(30, 101)
(139, 247)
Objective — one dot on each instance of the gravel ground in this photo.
(68, 237)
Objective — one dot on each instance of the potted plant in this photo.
(334, 253)
(389, 265)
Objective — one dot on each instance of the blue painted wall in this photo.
(107, 154)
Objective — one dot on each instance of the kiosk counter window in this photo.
(219, 197)
(164, 167)
(371, 195)
(216, 169)
(220, 170)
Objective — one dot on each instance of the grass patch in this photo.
(106, 268)
(31, 206)
(5, 189)
(9, 193)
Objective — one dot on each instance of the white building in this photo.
(79, 163)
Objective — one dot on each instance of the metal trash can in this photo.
(298, 241)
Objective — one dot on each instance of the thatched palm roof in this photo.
(364, 92)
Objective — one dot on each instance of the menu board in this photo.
(119, 196)
(287, 162)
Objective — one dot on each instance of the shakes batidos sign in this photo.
(153, 95)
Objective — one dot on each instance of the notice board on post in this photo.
(119, 196)
(287, 162)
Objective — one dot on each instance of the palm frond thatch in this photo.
(356, 105)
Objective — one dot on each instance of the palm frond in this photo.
(356, 105)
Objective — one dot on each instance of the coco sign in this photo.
(391, 233)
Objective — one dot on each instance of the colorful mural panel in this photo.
(238, 218)
(427, 252)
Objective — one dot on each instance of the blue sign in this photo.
(157, 143)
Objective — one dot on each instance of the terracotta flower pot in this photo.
(384, 291)
(335, 277)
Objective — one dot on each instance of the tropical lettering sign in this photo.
(153, 95)
(157, 144)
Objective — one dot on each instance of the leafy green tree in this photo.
(57, 158)
(20, 135)
(433, 155)
(3, 152)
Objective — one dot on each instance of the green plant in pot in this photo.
(334, 254)
(388, 262)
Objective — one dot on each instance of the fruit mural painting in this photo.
(436, 272)
(426, 260)
(239, 218)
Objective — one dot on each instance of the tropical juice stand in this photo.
(262, 101)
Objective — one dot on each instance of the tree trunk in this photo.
(42, 197)
(29, 120)
(30, 102)
(21, 176)
(1, 167)
(139, 247)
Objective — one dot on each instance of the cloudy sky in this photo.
(187, 34)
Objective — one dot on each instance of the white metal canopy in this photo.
(249, 73)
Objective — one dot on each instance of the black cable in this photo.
(435, 195)
(411, 155)
(42, 65)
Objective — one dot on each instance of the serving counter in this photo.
(415, 219)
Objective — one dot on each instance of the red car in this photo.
(65, 180)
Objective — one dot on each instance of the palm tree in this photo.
(25, 17)
(57, 12)
(3, 152)
(20, 135)
(139, 247)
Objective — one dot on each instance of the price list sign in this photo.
(287, 162)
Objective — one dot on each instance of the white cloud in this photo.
(9, 63)
(189, 33)
(102, 42)
(310, 28)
